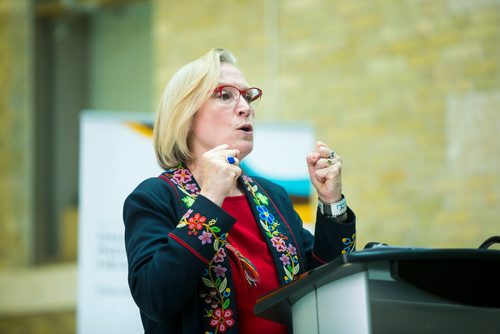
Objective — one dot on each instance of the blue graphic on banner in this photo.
(294, 187)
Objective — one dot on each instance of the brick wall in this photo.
(15, 133)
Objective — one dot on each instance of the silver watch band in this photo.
(333, 209)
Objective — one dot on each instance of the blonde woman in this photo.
(203, 239)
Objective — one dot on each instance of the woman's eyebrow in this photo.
(245, 86)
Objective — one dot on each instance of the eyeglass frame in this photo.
(242, 92)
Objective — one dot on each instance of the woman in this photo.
(203, 239)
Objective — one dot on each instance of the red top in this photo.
(246, 237)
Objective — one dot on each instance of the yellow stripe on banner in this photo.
(144, 129)
(305, 211)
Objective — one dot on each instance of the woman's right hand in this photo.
(218, 176)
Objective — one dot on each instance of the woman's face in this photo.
(217, 123)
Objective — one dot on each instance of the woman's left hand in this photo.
(325, 173)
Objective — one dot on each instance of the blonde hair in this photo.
(184, 94)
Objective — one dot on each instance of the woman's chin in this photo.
(245, 149)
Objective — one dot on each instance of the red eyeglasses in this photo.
(228, 94)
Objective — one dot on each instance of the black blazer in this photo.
(168, 264)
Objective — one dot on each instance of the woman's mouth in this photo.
(248, 128)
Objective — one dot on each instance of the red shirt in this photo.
(246, 237)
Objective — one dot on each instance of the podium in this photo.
(393, 290)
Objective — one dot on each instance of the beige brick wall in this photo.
(406, 91)
(15, 132)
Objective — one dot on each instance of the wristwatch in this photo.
(333, 209)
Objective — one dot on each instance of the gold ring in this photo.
(329, 162)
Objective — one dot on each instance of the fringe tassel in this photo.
(247, 269)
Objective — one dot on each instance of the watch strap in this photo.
(333, 209)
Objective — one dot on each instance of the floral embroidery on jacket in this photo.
(196, 223)
(216, 294)
(349, 243)
(287, 252)
(217, 299)
(222, 319)
(184, 180)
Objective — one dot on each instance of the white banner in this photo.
(115, 156)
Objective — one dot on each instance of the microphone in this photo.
(490, 241)
(375, 244)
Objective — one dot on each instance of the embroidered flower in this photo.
(247, 178)
(220, 255)
(210, 298)
(187, 214)
(192, 187)
(251, 189)
(205, 237)
(264, 214)
(220, 271)
(188, 200)
(182, 175)
(222, 319)
(195, 223)
(292, 250)
(285, 259)
(263, 199)
(279, 244)
(227, 292)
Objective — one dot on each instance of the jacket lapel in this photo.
(275, 230)
(216, 288)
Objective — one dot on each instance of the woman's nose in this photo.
(243, 107)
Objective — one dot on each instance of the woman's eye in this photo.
(226, 95)
(249, 98)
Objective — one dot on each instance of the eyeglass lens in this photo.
(229, 94)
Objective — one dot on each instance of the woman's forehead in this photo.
(230, 74)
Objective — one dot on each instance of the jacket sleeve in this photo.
(168, 249)
(332, 237)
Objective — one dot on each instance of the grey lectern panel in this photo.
(338, 317)
(393, 291)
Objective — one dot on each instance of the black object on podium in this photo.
(386, 289)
